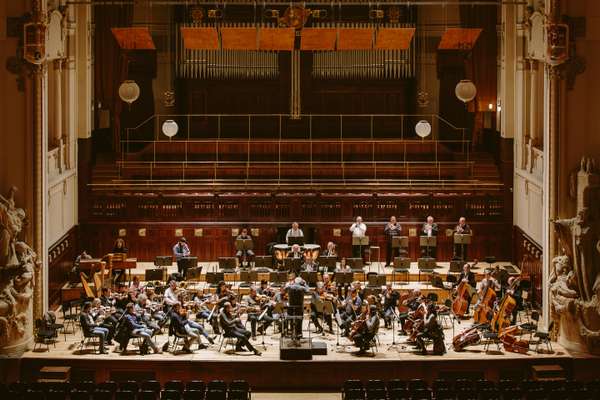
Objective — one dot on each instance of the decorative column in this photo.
(58, 110)
(533, 101)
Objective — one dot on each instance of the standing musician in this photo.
(392, 229)
(244, 254)
(358, 229)
(390, 302)
(431, 330)
(330, 251)
(429, 229)
(294, 231)
(231, 324)
(294, 288)
(460, 250)
(365, 328)
(181, 250)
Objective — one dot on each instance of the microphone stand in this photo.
(393, 345)
(264, 330)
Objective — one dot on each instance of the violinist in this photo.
(105, 298)
(349, 308)
(138, 329)
(103, 318)
(231, 325)
(142, 309)
(431, 330)
(122, 297)
(366, 329)
(170, 297)
(135, 287)
(390, 301)
(265, 289)
(460, 250)
(321, 295)
(252, 303)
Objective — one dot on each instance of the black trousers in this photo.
(242, 336)
(460, 251)
(391, 253)
(181, 268)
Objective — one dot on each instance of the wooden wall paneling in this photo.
(61, 256)
(528, 256)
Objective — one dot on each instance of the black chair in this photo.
(536, 394)
(153, 386)
(130, 386)
(353, 394)
(196, 385)
(77, 394)
(376, 394)
(101, 394)
(240, 386)
(33, 394)
(147, 395)
(543, 337)
(170, 394)
(43, 335)
(217, 385)
(69, 317)
(56, 386)
(491, 337)
(466, 394)
(177, 386)
(441, 384)
(56, 394)
(125, 395)
(109, 386)
(445, 394)
(508, 384)
(395, 384)
(398, 393)
(489, 393)
(193, 394)
(238, 395)
(420, 394)
(482, 384)
(464, 383)
(375, 384)
(84, 386)
(512, 394)
(416, 384)
(352, 387)
(213, 394)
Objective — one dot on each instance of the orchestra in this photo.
(335, 306)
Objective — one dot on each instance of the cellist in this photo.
(487, 281)
(468, 277)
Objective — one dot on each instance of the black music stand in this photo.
(292, 240)
(428, 242)
(360, 241)
(343, 278)
(278, 278)
(461, 241)
(426, 266)
(377, 280)
(193, 274)
(309, 277)
(401, 266)
(163, 261)
(400, 242)
(213, 278)
(227, 264)
(328, 262)
(355, 264)
(264, 263)
(244, 245)
(292, 264)
(187, 263)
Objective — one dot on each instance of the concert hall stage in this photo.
(325, 373)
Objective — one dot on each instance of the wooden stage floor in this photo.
(269, 373)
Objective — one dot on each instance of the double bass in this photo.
(460, 305)
(484, 310)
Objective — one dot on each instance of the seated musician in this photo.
(180, 251)
(143, 309)
(90, 328)
(119, 248)
(105, 298)
(295, 252)
(487, 281)
(104, 318)
(232, 327)
(244, 254)
(469, 277)
(137, 329)
(349, 308)
(431, 330)
(309, 264)
(412, 303)
(460, 250)
(330, 251)
(429, 229)
(390, 302)
(122, 297)
(170, 297)
(367, 331)
(294, 231)
(253, 309)
(264, 289)
(321, 294)
(514, 289)
(184, 327)
(135, 288)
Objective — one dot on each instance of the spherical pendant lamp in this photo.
(423, 129)
(465, 90)
(170, 128)
(129, 91)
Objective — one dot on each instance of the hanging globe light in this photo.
(129, 91)
(170, 128)
(465, 90)
(423, 128)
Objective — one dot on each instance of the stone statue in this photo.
(18, 264)
(575, 282)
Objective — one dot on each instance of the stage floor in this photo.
(323, 371)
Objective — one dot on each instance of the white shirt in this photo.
(170, 297)
(358, 230)
(293, 233)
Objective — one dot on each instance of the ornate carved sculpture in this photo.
(18, 264)
(575, 282)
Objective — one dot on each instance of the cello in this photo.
(508, 303)
(484, 309)
(460, 305)
(466, 338)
